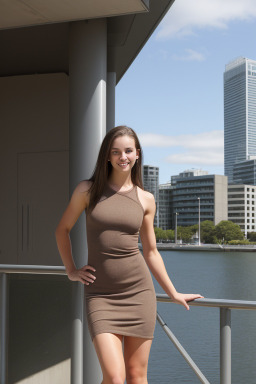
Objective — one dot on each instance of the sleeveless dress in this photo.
(122, 298)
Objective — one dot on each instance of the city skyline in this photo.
(172, 95)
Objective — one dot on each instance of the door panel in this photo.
(43, 193)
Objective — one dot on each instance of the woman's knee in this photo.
(136, 375)
(115, 379)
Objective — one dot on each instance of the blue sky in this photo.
(172, 95)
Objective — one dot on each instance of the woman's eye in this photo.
(116, 152)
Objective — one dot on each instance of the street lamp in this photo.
(199, 240)
(176, 219)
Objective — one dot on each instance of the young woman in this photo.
(120, 296)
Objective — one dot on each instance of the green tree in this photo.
(157, 233)
(184, 233)
(208, 232)
(170, 234)
(228, 230)
(163, 234)
(160, 234)
(251, 236)
(193, 228)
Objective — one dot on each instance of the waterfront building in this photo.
(165, 206)
(244, 172)
(150, 175)
(210, 191)
(239, 113)
(241, 206)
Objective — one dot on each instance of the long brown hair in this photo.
(103, 167)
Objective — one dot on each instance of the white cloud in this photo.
(200, 140)
(190, 55)
(200, 158)
(205, 148)
(186, 16)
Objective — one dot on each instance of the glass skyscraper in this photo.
(239, 113)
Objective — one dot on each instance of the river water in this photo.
(219, 275)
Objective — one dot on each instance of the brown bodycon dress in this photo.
(122, 298)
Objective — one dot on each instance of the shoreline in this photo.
(204, 247)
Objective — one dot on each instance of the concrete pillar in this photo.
(87, 90)
(111, 84)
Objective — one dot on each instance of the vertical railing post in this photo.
(3, 326)
(225, 346)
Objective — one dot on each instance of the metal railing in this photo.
(6, 269)
(225, 320)
(225, 307)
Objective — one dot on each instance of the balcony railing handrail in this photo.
(206, 302)
(34, 269)
(161, 297)
(5, 270)
(225, 306)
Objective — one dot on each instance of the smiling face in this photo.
(123, 153)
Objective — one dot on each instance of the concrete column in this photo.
(111, 84)
(87, 90)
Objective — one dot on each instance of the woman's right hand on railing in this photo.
(83, 275)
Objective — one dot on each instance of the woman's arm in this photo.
(153, 257)
(78, 202)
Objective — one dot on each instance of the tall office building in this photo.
(244, 172)
(150, 176)
(239, 113)
(165, 206)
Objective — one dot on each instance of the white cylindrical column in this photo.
(111, 84)
(87, 90)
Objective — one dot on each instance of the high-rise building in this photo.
(244, 172)
(239, 113)
(150, 177)
(165, 206)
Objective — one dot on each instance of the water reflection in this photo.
(229, 275)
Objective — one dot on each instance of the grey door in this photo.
(43, 185)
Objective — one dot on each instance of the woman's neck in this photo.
(120, 182)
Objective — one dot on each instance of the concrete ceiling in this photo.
(24, 13)
(44, 48)
(141, 28)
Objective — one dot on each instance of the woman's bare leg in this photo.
(136, 355)
(108, 347)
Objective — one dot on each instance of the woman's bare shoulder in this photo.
(145, 194)
(82, 192)
(146, 198)
(84, 186)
